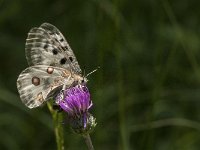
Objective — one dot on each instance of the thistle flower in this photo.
(76, 102)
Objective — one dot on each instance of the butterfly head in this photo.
(81, 80)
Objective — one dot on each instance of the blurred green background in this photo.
(146, 94)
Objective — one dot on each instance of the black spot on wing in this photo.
(63, 61)
(71, 59)
(55, 51)
(45, 46)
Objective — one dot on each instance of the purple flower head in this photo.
(76, 102)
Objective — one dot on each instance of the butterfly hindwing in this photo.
(46, 45)
(36, 83)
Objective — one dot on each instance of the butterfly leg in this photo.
(64, 87)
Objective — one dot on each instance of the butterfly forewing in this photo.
(36, 83)
(53, 66)
(47, 46)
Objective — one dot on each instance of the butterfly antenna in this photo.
(92, 71)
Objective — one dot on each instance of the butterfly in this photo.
(53, 66)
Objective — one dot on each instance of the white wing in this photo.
(45, 45)
(37, 84)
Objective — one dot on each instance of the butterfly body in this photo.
(53, 66)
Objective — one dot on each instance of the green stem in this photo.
(58, 128)
(88, 142)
